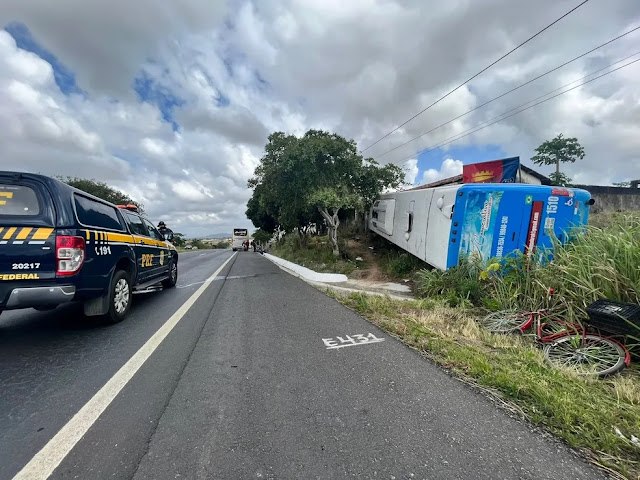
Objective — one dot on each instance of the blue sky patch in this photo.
(64, 77)
(222, 100)
(150, 91)
(467, 154)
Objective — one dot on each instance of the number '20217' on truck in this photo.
(443, 225)
(59, 244)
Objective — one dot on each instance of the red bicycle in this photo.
(565, 344)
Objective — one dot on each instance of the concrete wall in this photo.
(527, 178)
(613, 199)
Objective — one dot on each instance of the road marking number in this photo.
(350, 341)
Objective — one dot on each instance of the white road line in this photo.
(200, 283)
(42, 465)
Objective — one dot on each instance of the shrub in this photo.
(601, 261)
(399, 263)
(459, 286)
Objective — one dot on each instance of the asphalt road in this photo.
(263, 377)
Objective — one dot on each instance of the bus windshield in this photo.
(239, 237)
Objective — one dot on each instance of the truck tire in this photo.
(120, 296)
(173, 275)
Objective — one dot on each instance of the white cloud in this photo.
(190, 191)
(411, 169)
(243, 69)
(448, 168)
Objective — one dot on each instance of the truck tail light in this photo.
(70, 252)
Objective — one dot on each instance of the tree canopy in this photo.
(304, 180)
(558, 150)
(101, 190)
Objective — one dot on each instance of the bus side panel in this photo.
(561, 210)
(494, 221)
(440, 207)
(478, 215)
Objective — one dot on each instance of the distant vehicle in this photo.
(240, 235)
(442, 225)
(59, 244)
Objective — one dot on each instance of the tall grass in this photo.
(458, 287)
(602, 261)
(398, 264)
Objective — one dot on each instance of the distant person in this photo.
(166, 233)
(253, 244)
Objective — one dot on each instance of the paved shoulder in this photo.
(285, 382)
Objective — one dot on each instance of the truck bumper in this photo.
(24, 297)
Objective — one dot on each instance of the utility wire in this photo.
(477, 74)
(511, 91)
(502, 116)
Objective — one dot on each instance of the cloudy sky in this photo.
(172, 102)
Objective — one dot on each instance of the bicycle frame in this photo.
(535, 320)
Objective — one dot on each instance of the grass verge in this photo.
(600, 418)
(314, 253)
(361, 257)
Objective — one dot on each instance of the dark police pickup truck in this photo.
(59, 244)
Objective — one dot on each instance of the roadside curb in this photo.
(300, 271)
(306, 273)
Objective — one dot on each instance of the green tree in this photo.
(304, 180)
(101, 190)
(329, 201)
(261, 211)
(262, 236)
(178, 240)
(558, 150)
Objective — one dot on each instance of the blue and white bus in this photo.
(442, 225)
(240, 235)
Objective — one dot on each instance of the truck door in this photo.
(162, 254)
(27, 234)
(143, 247)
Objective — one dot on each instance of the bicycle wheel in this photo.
(506, 321)
(587, 354)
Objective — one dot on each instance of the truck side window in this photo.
(136, 225)
(153, 233)
(92, 213)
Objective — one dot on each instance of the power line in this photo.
(502, 116)
(477, 74)
(511, 91)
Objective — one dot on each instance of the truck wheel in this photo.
(119, 297)
(173, 275)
